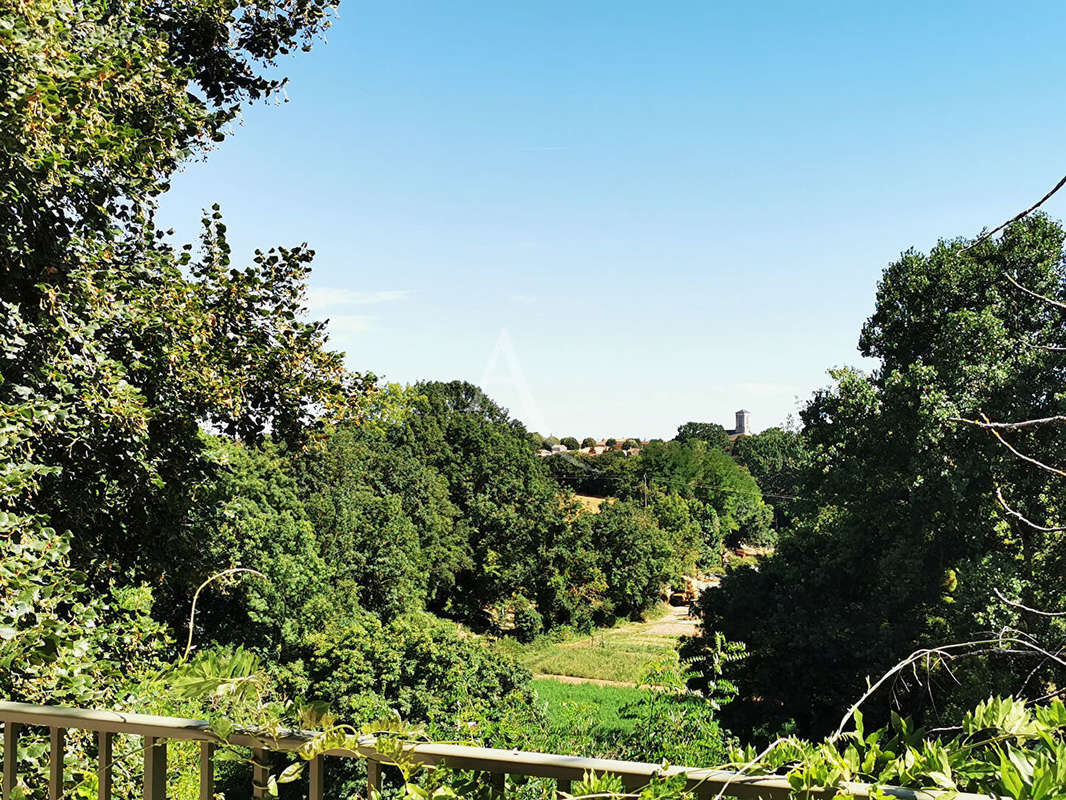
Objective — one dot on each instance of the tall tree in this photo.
(906, 543)
(119, 353)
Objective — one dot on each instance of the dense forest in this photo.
(176, 436)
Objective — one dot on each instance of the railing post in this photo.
(11, 757)
(373, 777)
(155, 768)
(497, 785)
(260, 773)
(207, 771)
(104, 741)
(57, 739)
(315, 779)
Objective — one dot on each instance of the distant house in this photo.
(742, 428)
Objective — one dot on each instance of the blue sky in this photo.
(622, 216)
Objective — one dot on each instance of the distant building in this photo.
(743, 427)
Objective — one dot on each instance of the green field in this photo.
(624, 653)
(585, 706)
(604, 658)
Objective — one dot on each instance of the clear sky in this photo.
(620, 216)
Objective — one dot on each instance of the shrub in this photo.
(528, 623)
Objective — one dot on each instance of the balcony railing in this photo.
(498, 764)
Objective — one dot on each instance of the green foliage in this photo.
(904, 539)
(708, 432)
(588, 441)
(708, 476)
(250, 515)
(776, 459)
(512, 529)
(417, 665)
(611, 442)
(674, 724)
(630, 444)
(96, 111)
(639, 557)
(528, 622)
(569, 442)
(383, 518)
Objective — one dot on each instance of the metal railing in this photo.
(157, 731)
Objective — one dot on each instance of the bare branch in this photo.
(1009, 641)
(1025, 423)
(200, 588)
(1017, 515)
(1030, 645)
(1031, 293)
(1017, 217)
(987, 425)
(754, 762)
(945, 652)
(1016, 604)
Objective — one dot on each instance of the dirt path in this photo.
(675, 623)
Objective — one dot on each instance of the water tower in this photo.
(743, 423)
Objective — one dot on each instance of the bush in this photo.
(528, 623)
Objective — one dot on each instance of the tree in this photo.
(509, 512)
(569, 442)
(97, 113)
(630, 444)
(776, 459)
(588, 441)
(383, 519)
(904, 544)
(709, 432)
(696, 470)
(638, 556)
(116, 353)
(611, 443)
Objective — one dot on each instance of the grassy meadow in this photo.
(622, 654)
(585, 706)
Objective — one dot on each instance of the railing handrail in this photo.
(706, 782)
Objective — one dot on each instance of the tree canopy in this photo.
(904, 542)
